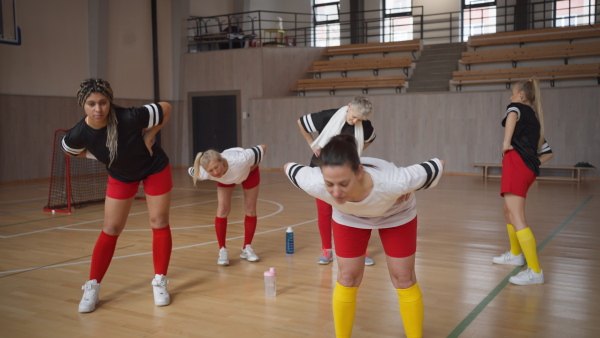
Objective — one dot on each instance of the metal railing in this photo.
(262, 28)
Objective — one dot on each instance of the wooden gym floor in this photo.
(44, 260)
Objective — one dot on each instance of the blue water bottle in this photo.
(289, 241)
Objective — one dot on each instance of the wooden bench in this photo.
(575, 171)
(535, 35)
(375, 64)
(562, 51)
(384, 48)
(511, 75)
(362, 82)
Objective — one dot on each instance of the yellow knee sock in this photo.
(515, 248)
(527, 242)
(344, 308)
(411, 310)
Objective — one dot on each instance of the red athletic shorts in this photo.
(516, 176)
(154, 185)
(253, 180)
(398, 242)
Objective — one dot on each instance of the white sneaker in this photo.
(527, 277)
(369, 261)
(91, 290)
(223, 257)
(510, 259)
(161, 295)
(326, 258)
(249, 254)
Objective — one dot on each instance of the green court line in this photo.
(484, 303)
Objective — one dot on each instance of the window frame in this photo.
(325, 23)
(591, 16)
(469, 7)
(387, 25)
(393, 15)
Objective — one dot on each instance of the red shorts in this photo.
(154, 185)
(516, 176)
(398, 242)
(253, 180)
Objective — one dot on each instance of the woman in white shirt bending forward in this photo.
(365, 195)
(233, 166)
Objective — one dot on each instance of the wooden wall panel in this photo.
(27, 132)
(282, 67)
(460, 128)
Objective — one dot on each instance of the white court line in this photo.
(150, 252)
(67, 227)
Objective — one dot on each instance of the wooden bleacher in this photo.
(364, 82)
(534, 45)
(339, 62)
(535, 35)
(369, 48)
(374, 64)
(510, 75)
(561, 51)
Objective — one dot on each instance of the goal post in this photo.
(76, 182)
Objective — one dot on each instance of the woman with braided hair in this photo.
(123, 139)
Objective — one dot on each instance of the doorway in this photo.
(214, 122)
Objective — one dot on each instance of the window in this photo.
(397, 20)
(478, 17)
(327, 23)
(574, 12)
(9, 32)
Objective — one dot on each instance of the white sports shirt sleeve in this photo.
(380, 208)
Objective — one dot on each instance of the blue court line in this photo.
(482, 305)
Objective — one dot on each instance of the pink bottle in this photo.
(270, 288)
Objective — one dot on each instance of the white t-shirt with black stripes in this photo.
(240, 161)
(380, 208)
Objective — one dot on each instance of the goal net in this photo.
(76, 182)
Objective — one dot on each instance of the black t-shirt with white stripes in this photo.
(316, 122)
(526, 135)
(133, 162)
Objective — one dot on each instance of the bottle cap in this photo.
(289, 229)
(270, 273)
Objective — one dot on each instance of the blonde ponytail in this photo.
(197, 167)
(532, 92)
(203, 159)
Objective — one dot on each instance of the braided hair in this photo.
(90, 86)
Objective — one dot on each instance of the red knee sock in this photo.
(324, 212)
(221, 230)
(102, 255)
(162, 244)
(249, 229)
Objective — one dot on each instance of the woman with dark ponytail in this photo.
(365, 194)
(523, 150)
(123, 139)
